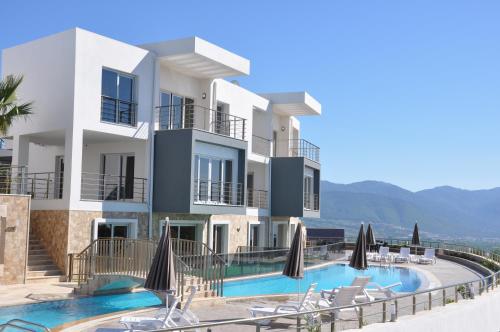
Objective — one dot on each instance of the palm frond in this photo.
(9, 109)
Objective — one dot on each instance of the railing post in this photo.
(444, 297)
(48, 186)
(332, 321)
(414, 305)
(360, 322)
(298, 323)
(456, 294)
(384, 312)
(430, 301)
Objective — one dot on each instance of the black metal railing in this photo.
(257, 198)
(118, 111)
(303, 148)
(261, 145)
(107, 187)
(217, 193)
(193, 116)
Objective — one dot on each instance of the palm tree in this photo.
(10, 109)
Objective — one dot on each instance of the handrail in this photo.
(11, 323)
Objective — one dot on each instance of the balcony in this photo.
(40, 186)
(217, 193)
(303, 148)
(185, 116)
(311, 202)
(257, 198)
(118, 111)
(105, 187)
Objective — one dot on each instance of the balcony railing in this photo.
(217, 193)
(303, 148)
(311, 202)
(118, 111)
(257, 198)
(199, 117)
(105, 187)
(39, 185)
(261, 145)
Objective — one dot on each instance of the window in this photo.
(213, 180)
(117, 98)
(175, 111)
(308, 192)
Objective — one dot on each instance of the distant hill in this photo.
(441, 212)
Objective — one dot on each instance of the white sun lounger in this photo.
(167, 317)
(429, 257)
(404, 255)
(344, 297)
(359, 281)
(382, 256)
(305, 304)
(374, 291)
(151, 323)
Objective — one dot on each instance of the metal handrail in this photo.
(182, 116)
(303, 148)
(261, 145)
(109, 187)
(257, 198)
(116, 111)
(11, 323)
(216, 192)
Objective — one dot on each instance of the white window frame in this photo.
(223, 176)
(131, 223)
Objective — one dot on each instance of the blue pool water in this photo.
(327, 278)
(55, 313)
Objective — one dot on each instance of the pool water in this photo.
(328, 277)
(55, 313)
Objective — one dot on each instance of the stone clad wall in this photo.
(51, 227)
(63, 232)
(14, 238)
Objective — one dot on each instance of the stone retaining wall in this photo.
(14, 228)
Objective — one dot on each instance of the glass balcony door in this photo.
(175, 111)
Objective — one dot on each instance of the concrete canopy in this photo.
(199, 58)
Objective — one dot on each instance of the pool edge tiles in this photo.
(328, 277)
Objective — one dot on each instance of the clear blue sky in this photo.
(410, 89)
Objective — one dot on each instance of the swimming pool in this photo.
(55, 313)
(327, 277)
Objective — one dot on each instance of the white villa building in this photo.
(123, 136)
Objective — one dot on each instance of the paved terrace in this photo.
(443, 272)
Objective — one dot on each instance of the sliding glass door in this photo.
(175, 111)
(213, 179)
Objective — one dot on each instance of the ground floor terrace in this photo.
(436, 295)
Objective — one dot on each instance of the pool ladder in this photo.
(23, 325)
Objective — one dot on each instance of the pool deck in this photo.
(443, 272)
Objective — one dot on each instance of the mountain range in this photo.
(441, 212)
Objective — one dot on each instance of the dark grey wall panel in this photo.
(287, 181)
(172, 171)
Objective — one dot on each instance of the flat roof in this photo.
(199, 58)
(293, 103)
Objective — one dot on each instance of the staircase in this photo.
(41, 267)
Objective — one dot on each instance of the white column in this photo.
(73, 167)
(20, 151)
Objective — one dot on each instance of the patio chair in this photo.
(344, 297)
(404, 255)
(383, 255)
(306, 304)
(359, 281)
(429, 257)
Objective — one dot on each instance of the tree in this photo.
(10, 109)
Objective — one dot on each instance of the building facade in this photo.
(124, 136)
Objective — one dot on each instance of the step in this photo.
(36, 252)
(44, 279)
(43, 273)
(43, 267)
(36, 247)
(37, 260)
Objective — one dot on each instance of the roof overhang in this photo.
(199, 58)
(293, 103)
